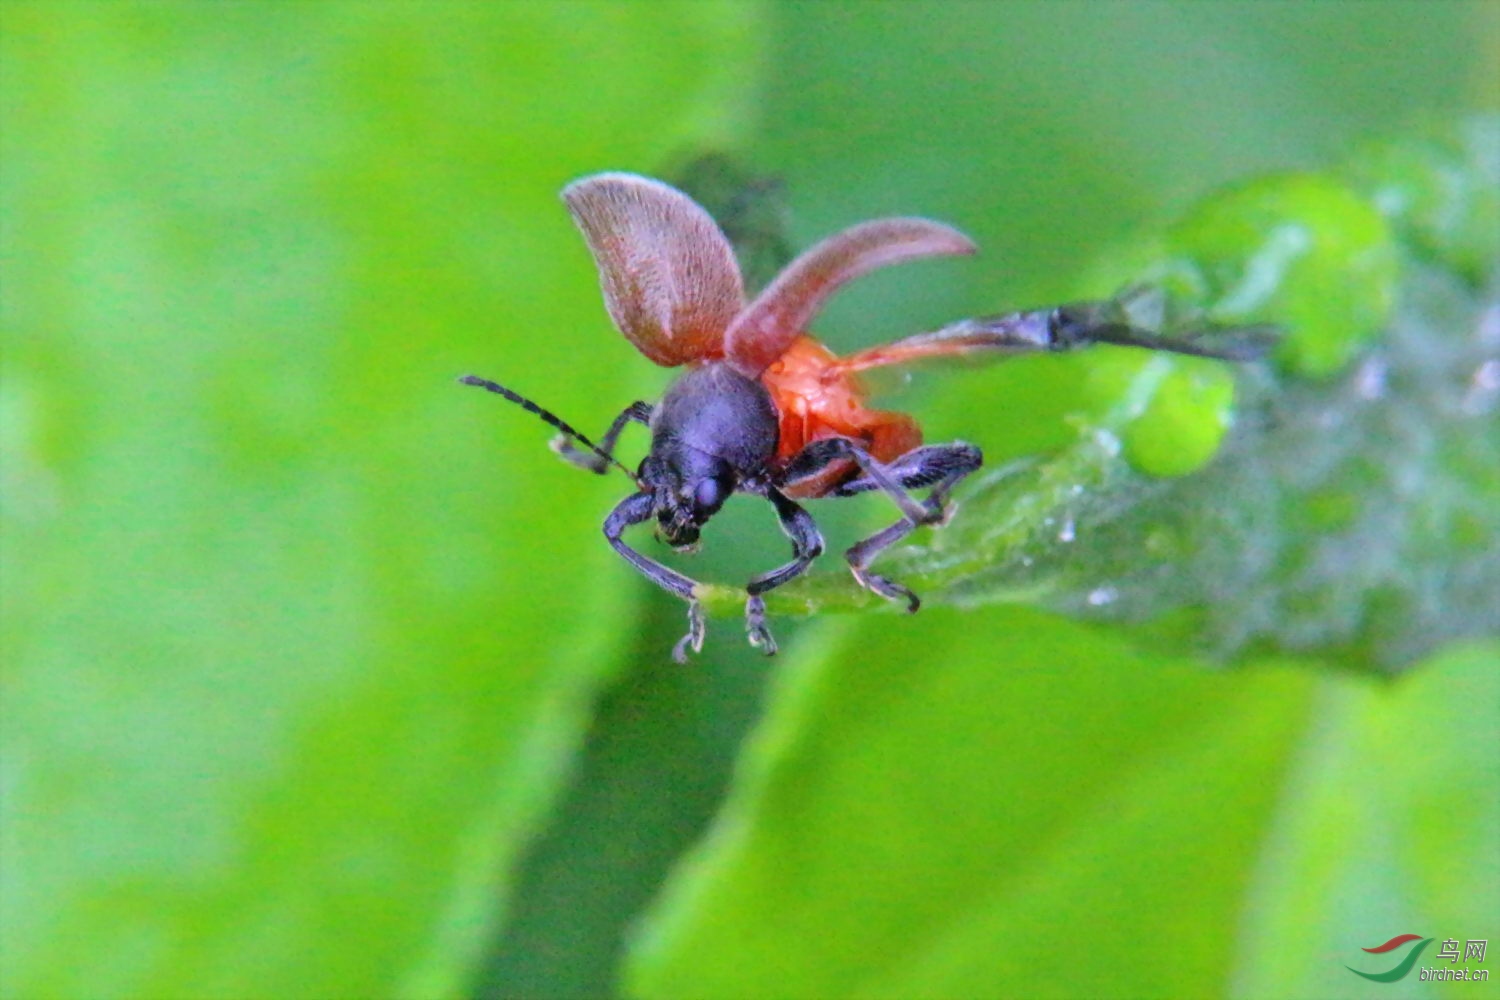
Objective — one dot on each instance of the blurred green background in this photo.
(318, 679)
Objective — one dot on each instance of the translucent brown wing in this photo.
(669, 277)
(1016, 333)
(781, 313)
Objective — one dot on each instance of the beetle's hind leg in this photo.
(940, 467)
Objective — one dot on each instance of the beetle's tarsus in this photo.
(693, 641)
(755, 625)
(562, 446)
(597, 460)
(863, 553)
(885, 587)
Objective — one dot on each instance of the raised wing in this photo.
(669, 277)
(781, 313)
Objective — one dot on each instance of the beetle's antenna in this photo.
(548, 417)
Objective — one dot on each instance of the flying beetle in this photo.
(762, 407)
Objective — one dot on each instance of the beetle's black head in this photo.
(713, 430)
(688, 487)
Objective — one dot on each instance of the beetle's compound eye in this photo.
(709, 495)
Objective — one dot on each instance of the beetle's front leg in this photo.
(807, 545)
(563, 444)
(633, 510)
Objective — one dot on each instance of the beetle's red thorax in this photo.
(811, 406)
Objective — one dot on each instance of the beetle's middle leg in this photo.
(938, 466)
(807, 545)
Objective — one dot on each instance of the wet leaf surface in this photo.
(1345, 515)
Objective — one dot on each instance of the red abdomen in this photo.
(811, 406)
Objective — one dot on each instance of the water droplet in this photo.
(1489, 327)
(1066, 534)
(1370, 379)
(1483, 388)
(1100, 596)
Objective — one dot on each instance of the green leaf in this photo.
(649, 779)
(290, 666)
(1338, 504)
(882, 821)
(1388, 819)
(981, 805)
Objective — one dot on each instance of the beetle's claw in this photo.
(755, 625)
(889, 589)
(694, 639)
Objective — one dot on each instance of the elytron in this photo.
(763, 408)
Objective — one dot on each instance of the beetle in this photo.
(764, 408)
